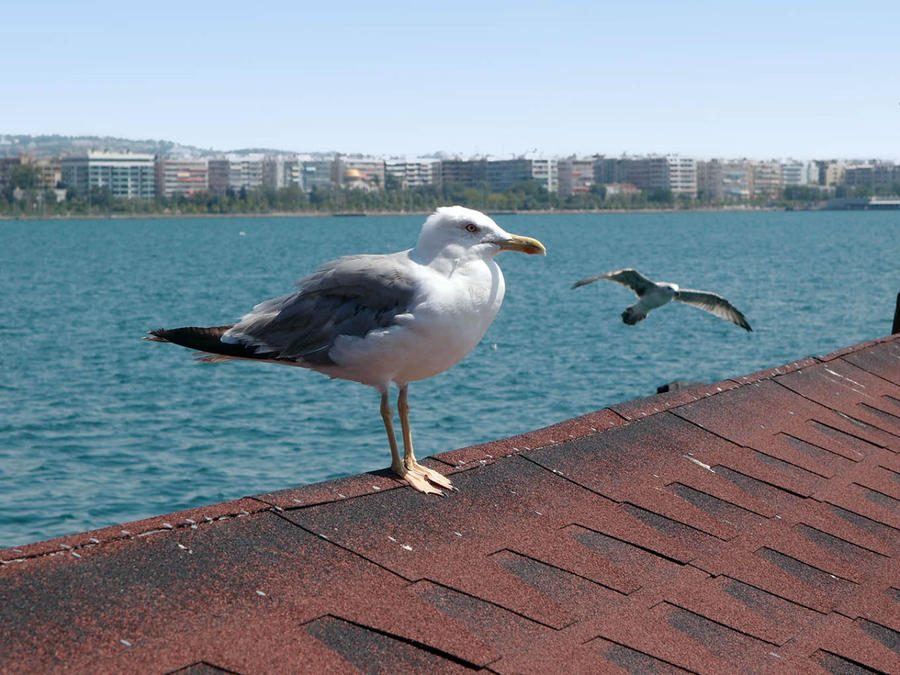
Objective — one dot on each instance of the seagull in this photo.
(381, 319)
(655, 294)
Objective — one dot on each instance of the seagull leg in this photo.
(387, 416)
(409, 459)
(415, 480)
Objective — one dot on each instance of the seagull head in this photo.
(671, 290)
(458, 232)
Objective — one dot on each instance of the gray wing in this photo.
(349, 296)
(627, 277)
(713, 303)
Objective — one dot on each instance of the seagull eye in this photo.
(471, 228)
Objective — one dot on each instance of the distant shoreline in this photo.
(355, 214)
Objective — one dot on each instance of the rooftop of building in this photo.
(749, 525)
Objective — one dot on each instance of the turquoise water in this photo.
(98, 427)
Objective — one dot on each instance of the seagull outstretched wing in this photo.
(714, 304)
(627, 277)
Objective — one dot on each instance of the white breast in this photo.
(445, 321)
(656, 297)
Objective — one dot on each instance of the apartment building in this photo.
(647, 173)
(737, 179)
(413, 173)
(834, 173)
(666, 172)
(235, 172)
(793, 173)
(872, 175)
(315, 174)
(504, 173)
(465, 172)
(7, 166)
(765, 179)
(575, 175)
(125, 175)
(245, 171)
(608, 170)
(814, 174)
(218, 172)
(724, 179)
(830, 172)
(48, 170)
(546, 172)
(709, 179)
(281, 171)
(682, 175)
(181, 176)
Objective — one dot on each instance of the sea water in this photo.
(99, 427)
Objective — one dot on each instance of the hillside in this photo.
(12, 145)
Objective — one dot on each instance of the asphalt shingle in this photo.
(745, 526)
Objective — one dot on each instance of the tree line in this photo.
(526, 196)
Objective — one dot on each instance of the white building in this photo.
(682, 175)
(412, 173)
(126, 175)
(793, 172)
(245, 171)
(546, 172)
(813, 173)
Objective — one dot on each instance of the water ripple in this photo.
(99, 427)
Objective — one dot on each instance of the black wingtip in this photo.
(156, 335)
(204, 339)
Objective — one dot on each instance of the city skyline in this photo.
(10, 146)
(812, 80)
(142, 175)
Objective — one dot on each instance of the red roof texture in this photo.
(746, 526)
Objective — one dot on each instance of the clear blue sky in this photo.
(757, 79)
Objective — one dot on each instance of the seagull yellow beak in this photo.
(524, 244)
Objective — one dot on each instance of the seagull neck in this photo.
(444, 262)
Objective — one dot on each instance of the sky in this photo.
(758, 79)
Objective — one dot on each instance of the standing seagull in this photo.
(653, 294)
(378, 319)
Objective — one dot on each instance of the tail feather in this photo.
(632, 315)
(206, 339)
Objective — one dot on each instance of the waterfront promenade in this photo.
(750, 525)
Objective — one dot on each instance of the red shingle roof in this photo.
(746, 526)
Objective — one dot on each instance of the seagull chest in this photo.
(443, 324)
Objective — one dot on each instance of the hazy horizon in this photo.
(436, 154)
(760, 80)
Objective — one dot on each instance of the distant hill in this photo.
(54, 145)
(259, 151)
(12, 145)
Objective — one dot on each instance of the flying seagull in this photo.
(653, 294)
(378, 319)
